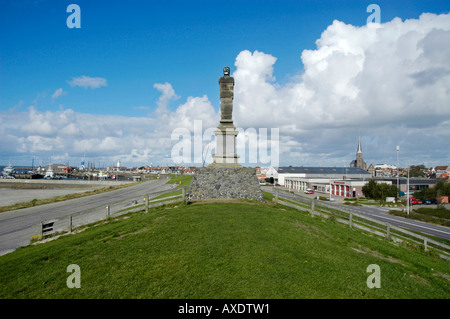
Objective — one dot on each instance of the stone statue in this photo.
(226, 132)
(226, 83)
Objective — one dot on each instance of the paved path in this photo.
(16, 227)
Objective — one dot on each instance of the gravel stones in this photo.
(218, 182)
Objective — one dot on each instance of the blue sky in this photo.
(133, 45)
(138, 43)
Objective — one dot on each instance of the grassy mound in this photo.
(221, 250)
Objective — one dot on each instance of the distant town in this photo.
(346, 182)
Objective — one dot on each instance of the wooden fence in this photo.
(68, 223)
(360, 221)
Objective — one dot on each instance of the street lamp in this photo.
(330, 191)
(398, 194)
(407, 195)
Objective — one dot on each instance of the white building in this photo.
(341, 181)
(320, 173)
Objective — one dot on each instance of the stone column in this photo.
(226, 132)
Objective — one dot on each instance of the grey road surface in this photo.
(380, 213)
(16, 227)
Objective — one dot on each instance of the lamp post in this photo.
(398, 194)
(330, 191)
(407, 195)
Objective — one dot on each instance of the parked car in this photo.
(309, 191)
(430, 202)
(414, 201)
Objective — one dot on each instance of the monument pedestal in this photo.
(225, 155)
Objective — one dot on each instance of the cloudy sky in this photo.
(322, 73)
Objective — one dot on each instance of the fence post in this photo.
(350, 219)
(388, 232)
(425, 244)
(276, 196)
(146, 202)
(183, 192)
(108, 211)
(70, 223)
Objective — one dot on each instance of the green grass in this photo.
(440, 212)
(232, 250)
(438, 216)
(180, 180)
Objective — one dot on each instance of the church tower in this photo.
(359, 156)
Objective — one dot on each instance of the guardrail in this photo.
(374, 226)
(70, 222)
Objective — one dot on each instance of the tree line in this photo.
(374, 190)
(442, 189)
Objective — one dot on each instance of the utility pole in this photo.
(398, 190)
(407, 195)
(330, 191)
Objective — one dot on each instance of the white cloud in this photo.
(168, 94)
(58, 92)
(389, 83)
(88, 82)
(368, 80)
(195, 108)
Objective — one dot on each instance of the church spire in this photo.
(359, 146)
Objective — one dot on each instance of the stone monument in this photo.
(226, 133)
(225, 177)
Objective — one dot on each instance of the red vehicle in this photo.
(309, 191)
(414, 201)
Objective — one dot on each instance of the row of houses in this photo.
(153, 170)
(338, 181)
(385, 170)
(441, 171)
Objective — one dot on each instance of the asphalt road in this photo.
(16, 227)
(380, 213)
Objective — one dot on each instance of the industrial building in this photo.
(342, 181)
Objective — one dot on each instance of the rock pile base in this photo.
(219, 182)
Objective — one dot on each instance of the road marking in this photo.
(417, 224)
